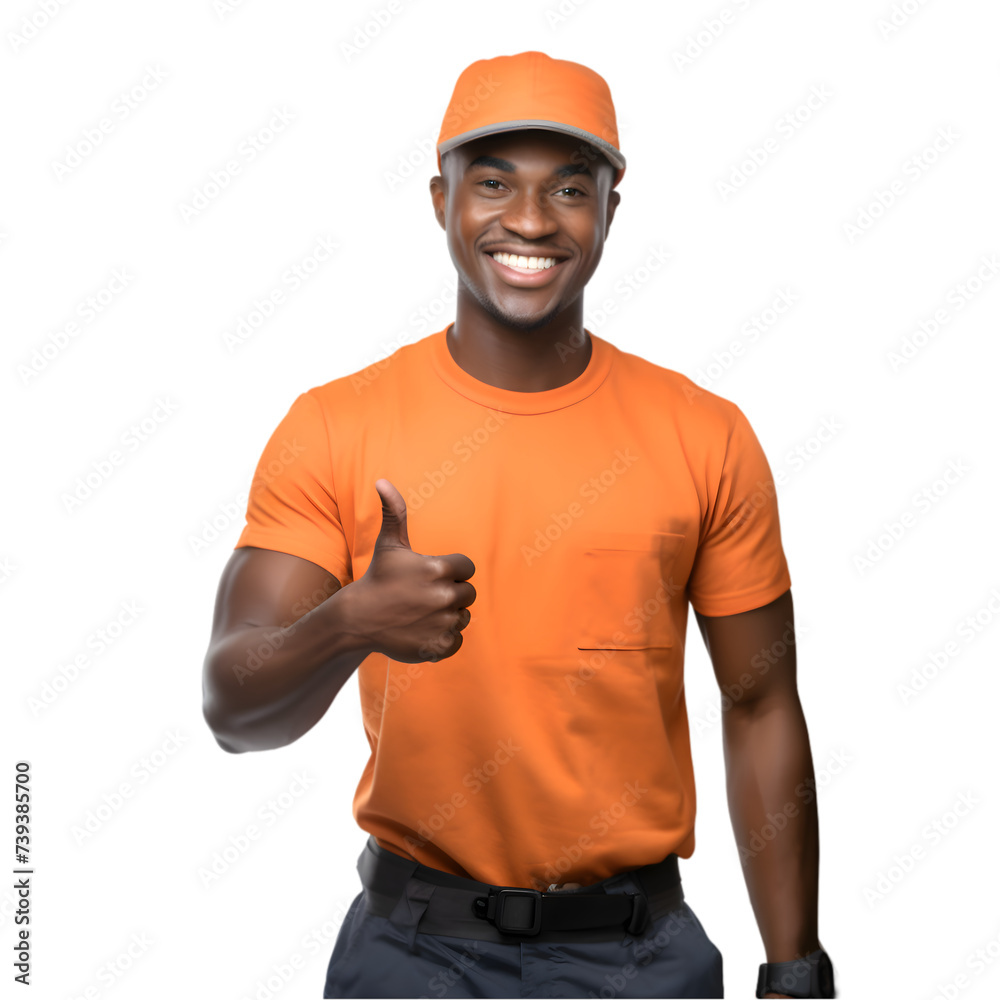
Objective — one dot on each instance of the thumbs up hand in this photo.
(409, 606)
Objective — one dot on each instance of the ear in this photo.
(439, 198)
(613, 198)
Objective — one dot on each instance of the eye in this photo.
(491, 180)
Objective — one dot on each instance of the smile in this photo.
(523, 263)
(525, 272)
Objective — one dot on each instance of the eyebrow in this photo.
(496, 163)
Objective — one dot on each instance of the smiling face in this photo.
(533, 194)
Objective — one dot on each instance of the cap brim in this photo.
(612, 153)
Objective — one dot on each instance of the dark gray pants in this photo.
(389, 957)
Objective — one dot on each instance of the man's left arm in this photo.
(769, 773)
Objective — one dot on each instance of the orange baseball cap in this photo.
(532, 90)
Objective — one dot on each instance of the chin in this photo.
(523, 322)
(526, 324)
(516, 321)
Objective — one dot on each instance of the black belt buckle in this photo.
(639, 917)
(499, 906)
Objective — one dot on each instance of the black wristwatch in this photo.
(810, 976)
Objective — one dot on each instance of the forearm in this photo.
(265, 686)
(772, 805)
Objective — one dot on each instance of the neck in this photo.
(521, 360)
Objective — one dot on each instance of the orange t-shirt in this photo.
(554, 745)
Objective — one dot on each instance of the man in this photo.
(530, 787)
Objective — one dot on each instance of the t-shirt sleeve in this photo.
(740, 563)
(292, 505)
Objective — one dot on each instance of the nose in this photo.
(528, 216)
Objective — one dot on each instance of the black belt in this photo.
(468, 908)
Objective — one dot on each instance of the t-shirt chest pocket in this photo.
(624, 589)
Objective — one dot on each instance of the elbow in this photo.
(228, 747)
(225, 734)
(216, 716)
(233, 731)
(219, 730)
(237, 724)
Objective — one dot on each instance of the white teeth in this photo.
(524, 263)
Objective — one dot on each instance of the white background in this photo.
(132, 715)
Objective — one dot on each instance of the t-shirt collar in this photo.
(511, 401)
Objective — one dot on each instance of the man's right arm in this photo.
(282, 646)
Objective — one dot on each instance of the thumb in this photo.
(393, 531)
